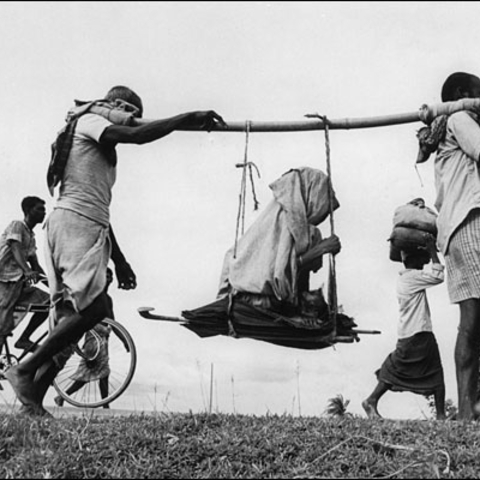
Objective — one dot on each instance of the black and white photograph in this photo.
(238, 239)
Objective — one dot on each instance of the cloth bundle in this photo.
(435, 117)
(411, 224)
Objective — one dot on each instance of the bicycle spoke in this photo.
(121, 361)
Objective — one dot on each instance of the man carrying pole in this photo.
(78, 243)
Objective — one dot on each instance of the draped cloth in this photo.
(260, 278)
(243, 320)
(265, 260)
(414, 366)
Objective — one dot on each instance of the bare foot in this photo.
(476, 410)
(35, 411)
(370, 409)
(23, 386)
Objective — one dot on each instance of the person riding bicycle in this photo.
(19, 271)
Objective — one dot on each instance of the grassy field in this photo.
(235, 446)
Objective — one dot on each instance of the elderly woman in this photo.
(270, 266)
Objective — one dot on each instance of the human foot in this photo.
(476, 410)
(58, 400)
(22, 385)
(370, 409)
(35, 411)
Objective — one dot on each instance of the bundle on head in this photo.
(411, 223)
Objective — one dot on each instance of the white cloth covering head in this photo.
(266, 258)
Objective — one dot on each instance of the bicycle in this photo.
(122, 356)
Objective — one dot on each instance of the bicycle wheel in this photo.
(81, 372)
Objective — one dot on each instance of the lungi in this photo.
(77, 251)
(414, 366)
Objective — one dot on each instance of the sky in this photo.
(175, 202)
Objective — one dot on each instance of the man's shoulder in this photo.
(92, 119)
(463, 116)
(16, 230)
(91, 126)
(16, 225)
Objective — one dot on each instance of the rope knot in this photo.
(246, 165)
(323, 118)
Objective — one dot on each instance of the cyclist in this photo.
(19, 271)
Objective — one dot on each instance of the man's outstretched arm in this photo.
(146, 131)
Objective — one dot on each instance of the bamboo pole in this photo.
(425, 114)
(316, 124)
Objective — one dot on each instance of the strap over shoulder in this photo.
(60, 148)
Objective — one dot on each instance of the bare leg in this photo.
(439, 396)
(44, 378)
(74, 387)
(103, 384)
(67, 331)
(370, 404)
(77, 385)
(36, 320)
(467, 349)
(7, 327)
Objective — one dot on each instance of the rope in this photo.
(230, 317)
(333, 277)
(241, 213)
(246, 165)
(419, 176)
(256, 203)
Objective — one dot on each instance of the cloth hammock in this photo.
(231, 316)
(242, 320)
(237, 319)
(240, 310)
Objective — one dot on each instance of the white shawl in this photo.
(266, 258)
